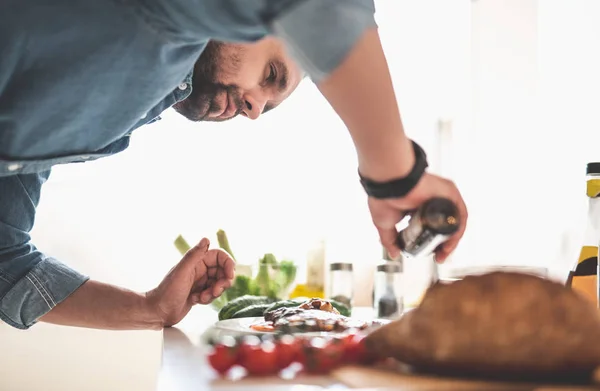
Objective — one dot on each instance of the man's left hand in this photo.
(199, 278)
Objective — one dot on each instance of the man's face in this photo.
(247, 79)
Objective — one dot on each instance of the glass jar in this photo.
(388, 300)
(341, 281)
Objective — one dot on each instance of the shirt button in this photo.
(14, 166)
(144, 116)
(183, 86)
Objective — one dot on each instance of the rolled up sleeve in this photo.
(320, 34)
(31, 283)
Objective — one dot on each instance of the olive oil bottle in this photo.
(314, 287)
(583, 278)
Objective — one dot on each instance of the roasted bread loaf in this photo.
(501, 324)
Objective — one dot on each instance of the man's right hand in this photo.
(387, 213)
(360, 90)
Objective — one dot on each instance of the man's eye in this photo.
(272, 74)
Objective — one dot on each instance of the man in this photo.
(77, 77)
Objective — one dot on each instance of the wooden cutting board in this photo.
(363, 377)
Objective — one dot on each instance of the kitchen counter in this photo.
(184, 368)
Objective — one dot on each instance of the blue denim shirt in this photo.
(78, 76)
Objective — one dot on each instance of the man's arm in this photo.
(103, 306)
(368, 107)
(36, 287)
(341, 51)
(31, 283)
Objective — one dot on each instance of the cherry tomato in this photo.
(289, 350)
(357, 351)
(247, 345)
(354, 349)
(260, 358)
(223, 355)
(321, 356)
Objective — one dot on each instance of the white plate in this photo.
(242, 326)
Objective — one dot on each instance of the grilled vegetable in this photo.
(284, 303)
(253, 311)
(342, 308)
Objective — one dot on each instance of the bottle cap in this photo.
(593, 168)
(340, 266)
(390, 267)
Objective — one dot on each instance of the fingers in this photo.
(388, 241)
(220, 287)
(448, 248)
(227, 264)
(219, 259)
(195, 254)
(211, 292)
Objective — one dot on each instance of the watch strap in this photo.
(400, 187)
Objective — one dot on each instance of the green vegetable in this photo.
(256, 310)
(242, 285)
(283, 303)
(242, 302)
(181, 245)
(224, 243)
(219, 302)
(266, 285)
(286, 275)
(342, 308)
(268, 259)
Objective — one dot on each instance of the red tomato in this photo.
(223, 356)
(289, 350)
(259, 359)
(357, 352)
(321, 356)
(354, 349)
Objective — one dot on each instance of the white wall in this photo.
(535, 83)
(492, 171)
(569, 102)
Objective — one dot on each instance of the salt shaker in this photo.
(388, 301)
(341, 283)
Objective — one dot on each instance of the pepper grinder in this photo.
(388, 301)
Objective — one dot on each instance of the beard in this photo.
(202, 102)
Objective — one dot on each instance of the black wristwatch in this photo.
(398, 188)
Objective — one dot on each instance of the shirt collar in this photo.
(184, 89)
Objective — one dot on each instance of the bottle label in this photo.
(593, 188)
(426, 243)
(588, 261)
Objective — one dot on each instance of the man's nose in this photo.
(253, 107)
